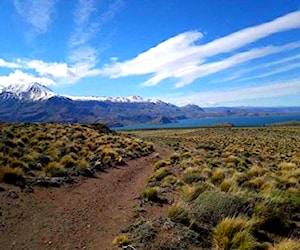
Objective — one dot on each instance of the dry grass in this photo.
(233, 176)
(56, 150)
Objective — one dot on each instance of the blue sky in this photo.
(208, 52)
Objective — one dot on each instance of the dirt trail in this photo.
(87, 215)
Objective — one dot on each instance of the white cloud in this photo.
(274, 72)
(164, 57)
(37, 13)
(57, 72)
(221, 97)
(19, 77)
(241, 72)
(181, 53)
(5, 64)
(188, 76)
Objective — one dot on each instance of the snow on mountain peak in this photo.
(129, 99)
(37, 92)
(29, 91)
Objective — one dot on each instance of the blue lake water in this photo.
(240, 121)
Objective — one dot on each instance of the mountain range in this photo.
(34, 102)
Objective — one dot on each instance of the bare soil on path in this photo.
(86, 215)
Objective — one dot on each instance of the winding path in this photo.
(87, 215)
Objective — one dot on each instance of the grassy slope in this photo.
(234, 188)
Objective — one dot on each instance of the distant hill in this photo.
(34, 102)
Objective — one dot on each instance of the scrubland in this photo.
(47, 154)
(224, 188)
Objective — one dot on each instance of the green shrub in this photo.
(212, 206)
(192, 177)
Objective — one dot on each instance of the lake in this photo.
(238, 121)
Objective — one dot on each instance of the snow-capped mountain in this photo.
(34, 102)
(38, 92)
(30, 91)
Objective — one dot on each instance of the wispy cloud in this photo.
(37, 13)
(87, 24)
(182, 54)
(221, 97)
(189, 76)
(242, 72)
(274, 72)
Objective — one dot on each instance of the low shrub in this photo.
(211, 207)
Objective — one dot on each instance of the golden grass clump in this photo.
(179, 213)
(169, 181)
(255, 171)
(160, 164)
(218, 175)
(288, 244)
(151, 194)
(161, 173)
(121, 241)
(233, 233)
(53, 169)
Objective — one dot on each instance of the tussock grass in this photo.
(233, 233)
(56, 150)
